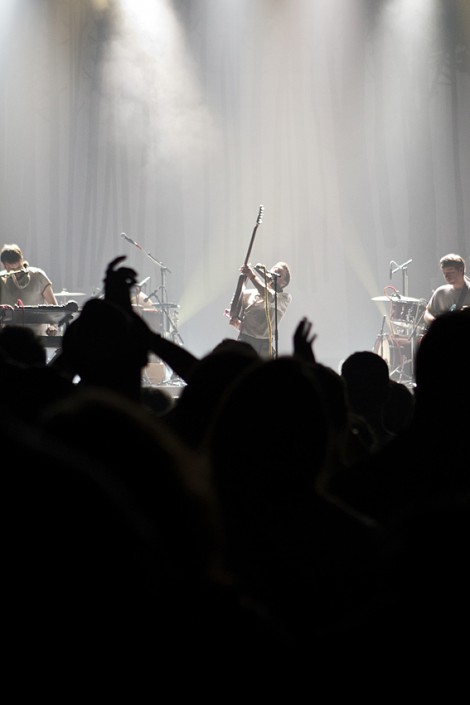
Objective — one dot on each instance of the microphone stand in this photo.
(169, 328)
(404, 269)
(276, 336)
(381, 336)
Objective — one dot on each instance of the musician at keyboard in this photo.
(26, 286)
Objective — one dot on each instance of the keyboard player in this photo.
(25, 285)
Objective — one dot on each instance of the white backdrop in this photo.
(348, 120)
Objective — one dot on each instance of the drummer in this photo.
(140, 300)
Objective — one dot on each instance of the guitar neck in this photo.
(235, 306)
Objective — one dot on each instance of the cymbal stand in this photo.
(413, 336)
(169, 327)
(398, 373)
(382, 335)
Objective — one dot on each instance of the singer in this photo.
(29, 284)
(262, 306)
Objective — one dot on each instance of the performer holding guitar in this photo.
(262, 306)
(256, 311)
(451, 296)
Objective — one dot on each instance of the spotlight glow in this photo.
(7, 8)
(154, 20)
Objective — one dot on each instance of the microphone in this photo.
(128, 239)
(261, 269)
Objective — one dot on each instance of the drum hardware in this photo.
(155, 372)
(395, 297)
(159, 299)
(394, 267)
(398, 347)
(398, 355)
(406, 326)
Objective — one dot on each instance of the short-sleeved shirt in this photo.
(253, 312)
(446, 298)
(28, 287)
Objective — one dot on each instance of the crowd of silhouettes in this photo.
(279, 517)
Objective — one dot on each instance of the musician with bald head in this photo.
(23, 285)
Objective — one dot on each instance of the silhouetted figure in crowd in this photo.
(22, 345)
(311, 561)
(366, 375)
(429, 459)
(399, 407)
(206, 386)
(350, 438)
(192, 610)
(157, 400)
(28, 384)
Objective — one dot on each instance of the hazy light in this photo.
(154, 20)
(412, 18)
(7, 8)
(100, 5)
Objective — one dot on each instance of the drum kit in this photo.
(406, 329)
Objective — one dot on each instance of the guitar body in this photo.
(236, 304)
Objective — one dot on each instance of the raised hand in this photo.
(303, 341)
(118, 283)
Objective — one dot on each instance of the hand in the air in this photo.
(303, 341)
(118, 283)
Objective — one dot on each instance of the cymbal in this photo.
(68, 294)
(394, 298)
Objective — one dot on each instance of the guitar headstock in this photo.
(260, 215)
